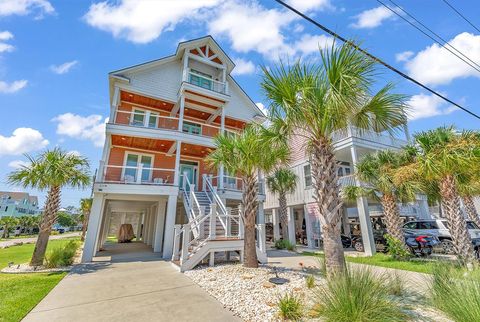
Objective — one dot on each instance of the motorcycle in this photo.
(421, 245)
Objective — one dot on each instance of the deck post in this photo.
(176, 243)
(228, 223)
(185, 242)
(211, 262)
(213, 221)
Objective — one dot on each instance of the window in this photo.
(139, 117)
(410, 225)
(201, 79)
(308, 175)
(132, 163)
(427, 225)
(192, 128)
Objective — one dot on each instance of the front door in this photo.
(190, 170)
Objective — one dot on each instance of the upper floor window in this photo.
(307, 173)
(140, 116)
(201, 79)
(192, 128)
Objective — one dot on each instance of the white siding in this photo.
(240, 106)
(163, 81)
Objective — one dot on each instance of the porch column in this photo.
(139, 226)
(182, 112)
(169, 227)
(291, 226)
(261, 214)
(176, 180)
(93, 231)
(364, 215)
(308, 226)
(154, 225)
(157, 246)
(276, 224)
(151, 226)
(345, 223)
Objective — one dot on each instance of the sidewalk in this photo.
(14, 241)
(415, 281)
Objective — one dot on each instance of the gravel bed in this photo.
(247, 291)
(25, 268)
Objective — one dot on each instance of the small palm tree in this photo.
(312, 102)
(376, 171)
(248, 153)
(444, 156)
(85, 207)
(52, 170)
(469, 188)
(282, 181)
(8, 222)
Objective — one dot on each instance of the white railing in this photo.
(346, 181)
(135, 175)
(203, 81)
(381, 138)
(147, 119)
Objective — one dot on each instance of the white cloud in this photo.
(306, 5)
(309, 44)
(74, 152)
(6, 47)
(63, 68)
(372, 18)
(25, 7)
(8, 88)
(17, 164)
(6, 35)
(262, 108)
(250, 26)
(423, 106)
(404, 56)
(22, 140)
(243, 67)
(435, 66)
(90, 127)
(142, 21)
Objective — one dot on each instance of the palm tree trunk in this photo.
(471, 210)
(456, 222)
(86, 217)
(282, 202)
(392, 217)
(249, 201)
(327, 197)
(48, 219)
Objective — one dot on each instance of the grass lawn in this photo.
(19, 293)
(383, 260)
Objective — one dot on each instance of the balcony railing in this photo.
(135, 175)
(381, 138)
(155, 121)
(203, 81)
(234, 184)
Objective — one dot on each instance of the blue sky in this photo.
(55, 56)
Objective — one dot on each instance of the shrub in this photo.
(54, 232)
(310, 281)
(395, 285)
(284, 244)
(290, 307)
(357, 296)
(396, 248)
(458, 296)
(62, 256)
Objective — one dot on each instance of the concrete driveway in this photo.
(128, 283)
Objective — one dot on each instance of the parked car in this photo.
(439, 228)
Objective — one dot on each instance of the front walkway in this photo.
(128, 283)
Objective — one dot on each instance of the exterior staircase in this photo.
(211, 228)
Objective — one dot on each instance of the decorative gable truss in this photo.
(206, 53)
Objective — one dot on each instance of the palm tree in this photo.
(85, 207)
(52, 170)
(8, 222)
(444, 156)
(248, 153)
(315, 101)
(282, 181)
(376, 171)
(469, 188)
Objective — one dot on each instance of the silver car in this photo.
(439, 227)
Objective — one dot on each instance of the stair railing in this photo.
(191, 204)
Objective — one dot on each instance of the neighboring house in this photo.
(163, 118)
(304, 222)
(18, 204)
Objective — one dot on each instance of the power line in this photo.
(374, 58)
(460, 14)
(442, 41)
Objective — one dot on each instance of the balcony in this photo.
(136, 175)
(204, 81)
(234, 184)
(369, 136)
(152, 120)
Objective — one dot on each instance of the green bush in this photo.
(357, 296)
(62, 256)
(310, 281)
(457, 295)
(284, 244)
(396, 248)
(290, 307)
